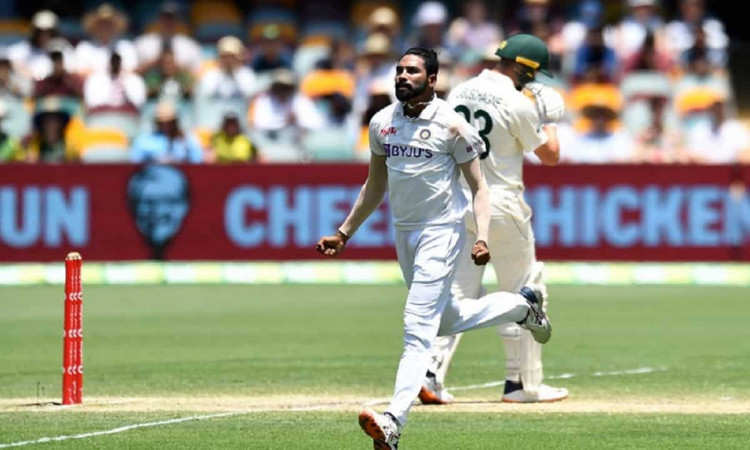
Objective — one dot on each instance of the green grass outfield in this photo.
(288, 367)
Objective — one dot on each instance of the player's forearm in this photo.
(482, 211)
(480, 195)
(549, 152)
(370, 197)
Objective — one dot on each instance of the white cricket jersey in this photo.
(508, 123)
(423, 155)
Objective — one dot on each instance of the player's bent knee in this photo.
(460, 293)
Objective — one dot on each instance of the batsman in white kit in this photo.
(511, 124)
(419, 147)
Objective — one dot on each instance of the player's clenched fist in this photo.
(332, 245)
(480, 254)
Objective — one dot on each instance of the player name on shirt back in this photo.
(479, 96)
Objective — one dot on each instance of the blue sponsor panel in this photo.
(282, 216)
(614, 214)
(625, 216)
(51, 216)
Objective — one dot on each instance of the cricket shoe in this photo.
(514, 393)
(433, 393)
(384, 429)
(536, 320)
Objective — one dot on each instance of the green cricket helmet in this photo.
(526, 49)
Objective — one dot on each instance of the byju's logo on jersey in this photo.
(406, 151)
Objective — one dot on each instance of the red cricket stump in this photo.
(73, 338)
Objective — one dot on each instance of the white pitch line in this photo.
(630, 372)
(638, 371)
(565, 376)
(477, 386)
(156, 424)
(562, 376)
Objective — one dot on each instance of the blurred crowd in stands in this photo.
(207, 82)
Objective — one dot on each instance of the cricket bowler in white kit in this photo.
(511, 124)
(419, 148)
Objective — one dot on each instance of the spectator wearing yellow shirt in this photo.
(229, 145)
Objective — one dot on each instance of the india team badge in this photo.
(425, 134)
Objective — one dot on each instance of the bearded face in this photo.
(411, 78)
(406, 91)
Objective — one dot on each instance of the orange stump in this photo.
(73, 338)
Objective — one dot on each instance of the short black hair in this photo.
(429, 57)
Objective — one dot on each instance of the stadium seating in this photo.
(265, 15)
(331, 144)
(72, 30)
(362, 9)
(327, 82)
(307, 56)
(128, 123)
(204, 11)
(282, 147)
(310, 32)
(18, 120)
(104, 145)
(184, 115)
(208, 113)
(637, 89)
(13, 30)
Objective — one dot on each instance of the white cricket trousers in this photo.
(511, 244)
(428, 258)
